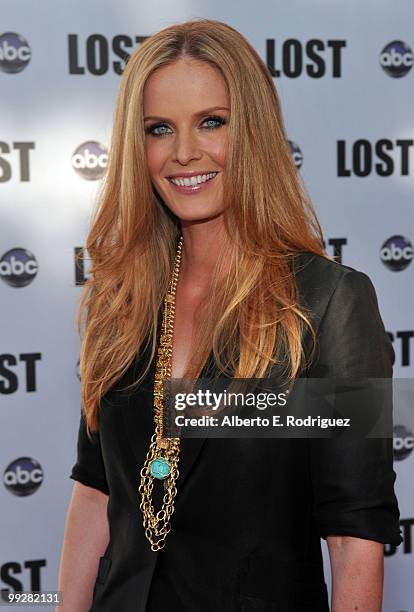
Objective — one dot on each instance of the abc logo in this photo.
(396, 59)
(23, 476)
(90, 160)
(396, 253)
(403, 442)
(18, 267)
(15, 52)
(296, 154)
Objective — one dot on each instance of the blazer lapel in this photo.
(190, 448)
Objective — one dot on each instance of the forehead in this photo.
(186, 84)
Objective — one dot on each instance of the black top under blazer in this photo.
(249, 513)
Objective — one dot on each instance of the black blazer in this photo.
(249, 513)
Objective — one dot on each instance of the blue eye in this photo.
(214, 120)
(218, 120)
(152, 129)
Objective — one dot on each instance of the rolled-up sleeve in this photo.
(353, 478)
(89, 468)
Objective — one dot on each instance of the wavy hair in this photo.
(253, 318)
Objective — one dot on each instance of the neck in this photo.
(201, 246)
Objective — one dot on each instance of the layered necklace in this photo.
(162, 458)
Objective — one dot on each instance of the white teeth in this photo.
(194, 180)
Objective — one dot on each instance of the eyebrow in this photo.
(199, 114)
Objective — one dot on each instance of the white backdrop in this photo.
(344, 74)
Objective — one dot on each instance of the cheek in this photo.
(154, 159)
(218, 151)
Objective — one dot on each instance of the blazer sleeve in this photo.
(89, 468)
(353, 479)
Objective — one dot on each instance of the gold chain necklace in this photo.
(162, 458)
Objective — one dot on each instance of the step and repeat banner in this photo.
(344, 72)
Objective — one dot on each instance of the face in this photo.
(186, 114)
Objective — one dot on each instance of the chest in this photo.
(187, 319)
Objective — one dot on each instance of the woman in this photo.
(202, 205)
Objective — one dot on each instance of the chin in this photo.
(192, 215)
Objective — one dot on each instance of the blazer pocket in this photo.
(103, 569)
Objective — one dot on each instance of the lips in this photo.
(193, 173)
(191, 189)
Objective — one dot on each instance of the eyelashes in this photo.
(219, 121)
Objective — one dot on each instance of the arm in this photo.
(357, 568)
(85, 539)
(355, 507)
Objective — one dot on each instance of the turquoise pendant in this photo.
(160, 468)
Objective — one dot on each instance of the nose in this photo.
(186, 147)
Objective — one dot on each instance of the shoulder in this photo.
(312, 269)
(342, 304)
(320, 279)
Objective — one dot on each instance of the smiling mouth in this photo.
(193, 181)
